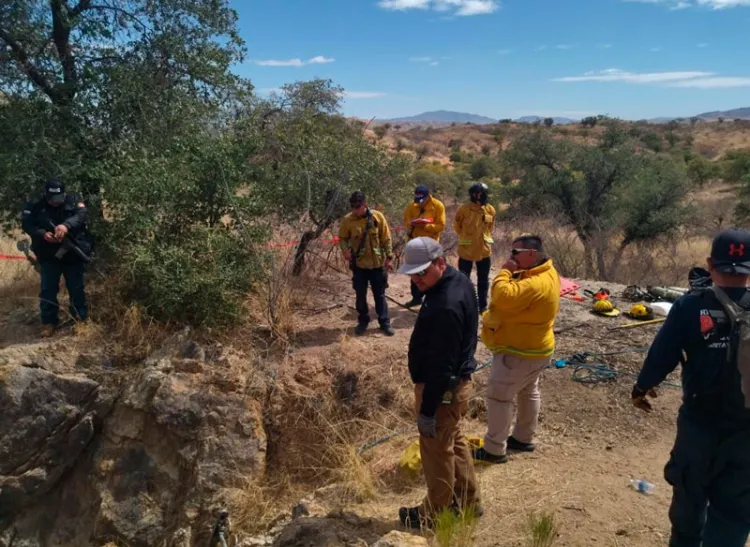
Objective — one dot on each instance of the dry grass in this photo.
(455, 530)
(541, 530)
(256, 505)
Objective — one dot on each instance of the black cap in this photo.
(357, 198)
(54, 191)
(730, 252)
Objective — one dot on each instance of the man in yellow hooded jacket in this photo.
(424, 217)
(517, 329)
(365, 241)
(473, 223)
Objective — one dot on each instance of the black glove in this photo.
(427, 426)
(639, 398)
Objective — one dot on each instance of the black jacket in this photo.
(444, 339)
(698, 327)
(73, 213)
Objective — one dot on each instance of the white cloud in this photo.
(402, 5)
(702, 45)
(457, 7)
(504, 51)
(540, 48)
(319, 60)
(564, 46)
(363, 94)
(617, 75)
(426, 60)
(655, 49)
(684, 4)
(606, 46)
(717, 82)
(721, 4)
(684, 79)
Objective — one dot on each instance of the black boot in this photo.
(481, 455)
(360, 329)
(517, 446)
(410, 517)
(387, 330)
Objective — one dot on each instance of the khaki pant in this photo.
(446, 459)
(512, 377)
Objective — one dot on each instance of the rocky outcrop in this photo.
(46, 423)
(141, 463)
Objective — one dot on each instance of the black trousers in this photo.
(376, 278)
(483, 278)
(710, 477)
(73, 271)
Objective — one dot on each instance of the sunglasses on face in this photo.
(421, 273)
(514, 252)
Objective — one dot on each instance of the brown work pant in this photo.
(446, 459)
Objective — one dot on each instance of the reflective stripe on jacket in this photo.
(522, 312)
(378, 244)
(473, 225)
(434, 209)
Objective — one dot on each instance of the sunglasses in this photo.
(421, 273)
(514, 252)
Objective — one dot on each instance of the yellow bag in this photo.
(411, 459)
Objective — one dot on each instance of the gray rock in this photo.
(46, 423)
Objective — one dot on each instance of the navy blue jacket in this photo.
(73, 214)
(696, 334)
(444, 338)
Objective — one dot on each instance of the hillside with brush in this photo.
(218, 371)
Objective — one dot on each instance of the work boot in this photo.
(481, 455)
(413, 303)
(411, 518)
(387, 330)
(48, 331)
(360, 329)
(476, 508)
(517, 446)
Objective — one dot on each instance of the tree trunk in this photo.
(304, 242)
(617, 260)
(601, 263)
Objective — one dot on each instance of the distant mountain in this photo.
(737, 113)
(446, 116)
(535, 119)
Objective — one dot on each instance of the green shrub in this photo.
(201, 279)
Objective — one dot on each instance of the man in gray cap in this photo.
(441, 362)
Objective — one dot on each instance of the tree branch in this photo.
(115, 9)
(82, 6)
(22, 58)
(61, 37)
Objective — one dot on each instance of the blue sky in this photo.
(507, 58)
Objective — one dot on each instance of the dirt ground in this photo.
(591, 440)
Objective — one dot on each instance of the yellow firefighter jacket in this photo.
(378, 244)
(473, 225)
(522, 311)
(434, 209)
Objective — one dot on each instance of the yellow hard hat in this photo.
(641, 311)
(605, 307)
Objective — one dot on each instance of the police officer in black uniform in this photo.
(709, 468)
(49, 220)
